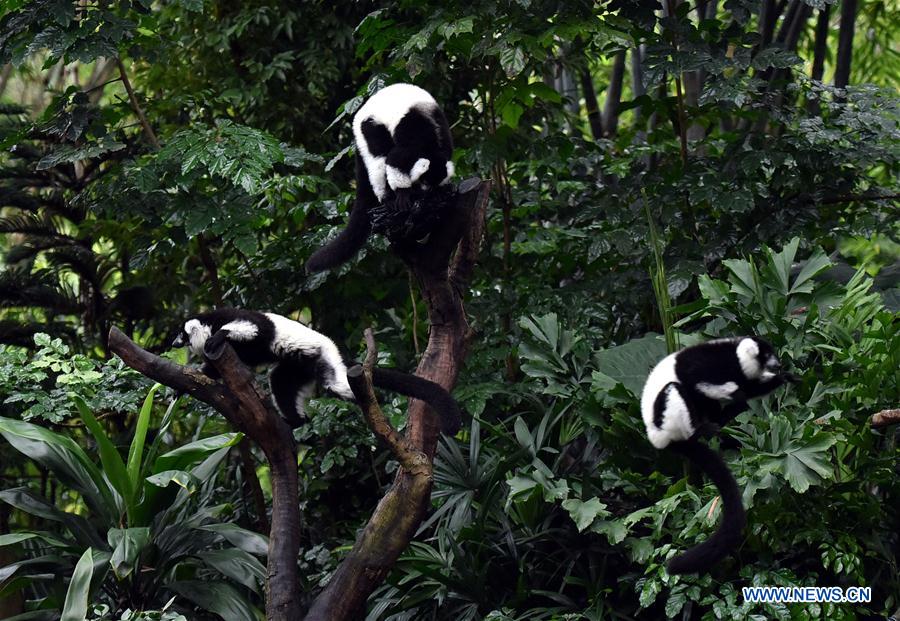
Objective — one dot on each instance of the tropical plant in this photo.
(136, 531)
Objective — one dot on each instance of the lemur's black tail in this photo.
(426, 390)
(346, 244)
(703, 556)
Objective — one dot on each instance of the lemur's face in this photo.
(194, 334)
(758, 360)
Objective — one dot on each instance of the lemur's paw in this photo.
(419, 168)
(451, 170)
(398, 179)
(214, 343)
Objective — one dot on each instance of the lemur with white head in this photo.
(691, 394)
(402, 143)
(302, 359)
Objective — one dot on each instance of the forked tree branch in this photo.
(360, 380)
(239, 401)
(399, 514)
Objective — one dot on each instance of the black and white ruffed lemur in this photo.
(403, 144)
(691, 394)
(302, 359)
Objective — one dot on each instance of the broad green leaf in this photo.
(127, 545)
(246, 540)
(217, 597)
(615, 530)
(112, 462)
(583, 513)
(67, 461)
(181, 478)
(238, 565)
(185, 456)
(779, 264)
(13, 538)
(817, 263)
(76, 605)
(630, 364)
(136, 450)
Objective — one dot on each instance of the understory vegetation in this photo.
(661, 174)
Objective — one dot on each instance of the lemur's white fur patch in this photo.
(241, 330)
(303, 394)
(291, 336)
(376, 170)
(719, 392)
(676, 421)
(661, 375)
(397, 179)
(747, 352)
(197, 334)
(419, 169)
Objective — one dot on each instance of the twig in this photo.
(136, 106)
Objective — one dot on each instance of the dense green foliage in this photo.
(727, 182)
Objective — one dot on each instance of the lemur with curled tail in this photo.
(403, 144)
(691, 394)
(302, 359)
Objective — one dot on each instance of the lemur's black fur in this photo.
(302, 359)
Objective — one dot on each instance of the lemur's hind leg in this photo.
(292, 382)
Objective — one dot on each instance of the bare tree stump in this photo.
(442, 277)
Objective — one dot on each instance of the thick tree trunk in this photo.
(614, 96)
(845, 44)
(398, 515)
(637, 81)
(591, 105)
(821, 43)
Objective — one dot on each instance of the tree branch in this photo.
(360, 380)
(399, 514)
(148, 131)
(239, 401)
(885, 418)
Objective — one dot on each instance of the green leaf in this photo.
(631, 363)
(76, 605)
(136, 450)
(584, 513)
(13, 538)
(218, 597)
(127, 544)
(189, 454)
(183, 479)
(238, 565)
(817, 263)
(615, 530)
(246, 540)
(512, 59)
(109, 456)
(66, 459)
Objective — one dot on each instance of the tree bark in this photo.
(614, 96)
(591, 105)
(885, 418)
(637, 83)
(821, 43)
(398, 515)
(239, 401)
(845, 44)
